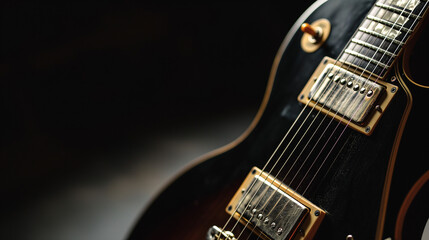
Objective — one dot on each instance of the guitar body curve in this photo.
(362, 185)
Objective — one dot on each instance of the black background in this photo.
(84, 79)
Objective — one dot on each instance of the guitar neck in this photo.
(383, 33)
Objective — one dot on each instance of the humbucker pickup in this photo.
(344, 93)
(273, 210)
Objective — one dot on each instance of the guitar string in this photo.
(252, 185)
(311, 137)
(254, 227)
(247, 192)
(424, 8)
(398, 47)
(368, 50)
(269, 160)
(275, 164)
(395, 52)
(361, 60)
(314, 145)
(290, 168)
(405, 36)
(349, 98)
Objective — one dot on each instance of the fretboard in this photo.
(382, 35)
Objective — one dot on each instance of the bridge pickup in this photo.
(347, 95)
(272, 210)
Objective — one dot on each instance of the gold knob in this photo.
(315, 34)
(307, 28)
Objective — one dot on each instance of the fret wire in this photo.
(373, 64)
(276, 163)
(373, 47)
(397, 10)
(376, 34)
(376, 41)
(359, 63)
(389, 24)
(406, 13)
(366, 58)
(393, 39)
(326, 158)
(375, 53)
(407, 6)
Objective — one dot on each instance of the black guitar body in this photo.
(356, 170)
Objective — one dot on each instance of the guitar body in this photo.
(364, 179)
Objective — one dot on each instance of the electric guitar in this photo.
(338, 149)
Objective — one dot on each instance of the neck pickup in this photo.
(348, 95)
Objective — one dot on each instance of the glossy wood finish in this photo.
(350, 184)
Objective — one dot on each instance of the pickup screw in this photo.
(378, 108)
(356, 87)
(317, 213)
(266, 220)
(336, 78)
(393, 90)
(367, 129)
(349, 237)
(279, 231)
(273, 225)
